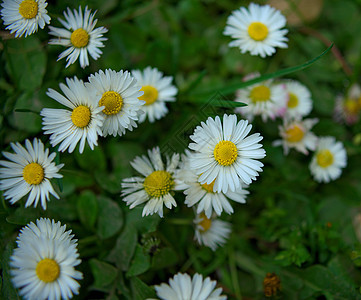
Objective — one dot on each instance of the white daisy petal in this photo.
(328, 160)
(157, 90)
(257, 30)
(79, 35)
(220, 159)
(29, 173)
(183, 287)
(42, 265)
(82, 123)
(24, 17)
(155, 188)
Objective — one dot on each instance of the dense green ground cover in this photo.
(305, 232)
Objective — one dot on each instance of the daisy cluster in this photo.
(291, 102)
(222, 159)
(221, 163)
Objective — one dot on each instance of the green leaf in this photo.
(87, 206)
(110, 218)
(124, 248)
(91, 160)
(144, 225)
(140, 262)
(8, 291)
(140, 290)
(26, 62)
(104, 273)
(22, 216)
(166, 257)
(233, 87)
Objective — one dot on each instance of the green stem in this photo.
(234, 275)
(179, 221)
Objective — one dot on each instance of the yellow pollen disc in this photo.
(292, 101)
(81, 116)
(225, 153)
(79, 38)
(208, 187)
(28, 9)
(205, 223)
(257, 31)
(158, 183)
(260, 93)
(294, 134)
(150, 94)
(352, 106)
(47, 270)
(112, 101)
(324, 158)
(33, 173)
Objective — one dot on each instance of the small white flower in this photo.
(265, 99)
(224, 155)
(296, 134)
(348, 107)
(257, 30)
(203, 195)
(42, 265)
(118, 93)
(29, 171)
(299, 102)
(82, 122)
(24, 16)
(157, 89)
(211, 232)
(156, 187)
(328, 160)
(183, 287)
(79, 35)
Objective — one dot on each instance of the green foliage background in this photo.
(299, 229)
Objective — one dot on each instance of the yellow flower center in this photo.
(47, 270)
(33, 173)
(257, 31)
(112, 101)
(324, 158)
(205, 223)
(79, 38)
(294, 134)
(28, 9)
(208, 187)
(158, 183)
(260, 93)
(225, 153)
(150, 94)
(352, 106)
(81, 116)
(292, 101)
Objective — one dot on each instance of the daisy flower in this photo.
(348, 108)
(257, 30)
(265, 99)
(24, 16)
(224, 156)
(118, 93)
(156, 187)
(80, 36)
(183, 287)
(42, 265)
(28, 171)
(211, 232)
(82, 122)
(328, 160)
(299, 101)
(296, 134)
(203, 195)
(157, 89)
